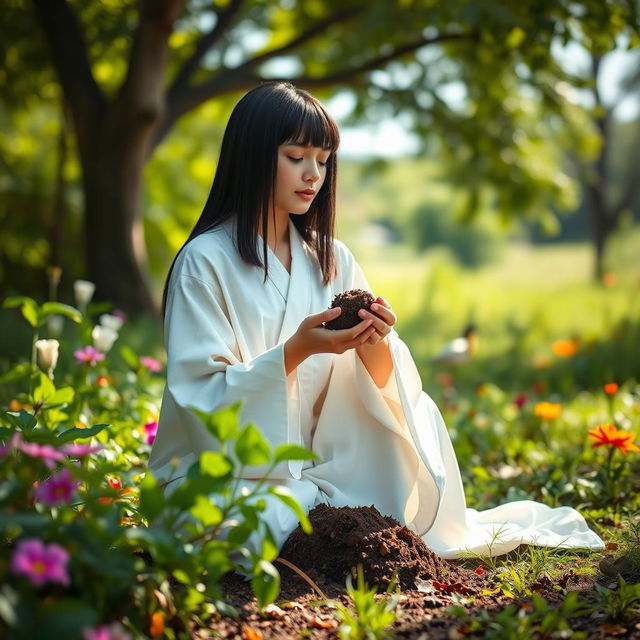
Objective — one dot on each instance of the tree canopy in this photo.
(476, 80)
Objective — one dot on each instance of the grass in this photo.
(532, 297)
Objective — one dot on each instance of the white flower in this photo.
(83, 292)
(111, 322)
(103, 338)
(48, 353)
(55, 324)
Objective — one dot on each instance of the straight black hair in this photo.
(265, 118)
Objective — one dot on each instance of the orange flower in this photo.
(116, 484)
(611, 388)
(610, 435)
(609, 279)
(156, 628)
(15, 405)
(548, 410)
(565, 348)
(102, 381)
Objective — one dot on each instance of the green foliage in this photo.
(621, 603)
(472, 245)
(73, 452)
(537, 620)
(372, 614)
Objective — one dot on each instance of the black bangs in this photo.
(307, 123)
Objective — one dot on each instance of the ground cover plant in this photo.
(93, 547)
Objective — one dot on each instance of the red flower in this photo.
(607, 434)
(611, 388)
(480, 571)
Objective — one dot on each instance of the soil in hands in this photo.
(344, 538)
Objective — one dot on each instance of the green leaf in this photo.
(28, 307)
(64, 395)
(78, 434)
(19, 372)
(222, 424)
(265, 583)
(293, 452)
(130, 358)
(21, 420)
(215, 557)
(43, 388)
(251, 447)
(286, 496)
(206, 511)
(57, 308)
(152, 498)
(215, 464)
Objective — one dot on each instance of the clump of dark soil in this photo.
(344, 537)
(350, 302)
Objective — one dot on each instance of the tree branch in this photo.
(142, 92)
(204, 44)
(71, 61)
(376, 63)
(242, 78)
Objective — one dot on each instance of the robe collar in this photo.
(298, 304)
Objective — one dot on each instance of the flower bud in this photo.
(111, 322)
(103, 338)
(83, 291)
(48, 353)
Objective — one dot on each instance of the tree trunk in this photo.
(112, 167)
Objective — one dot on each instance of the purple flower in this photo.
(76, 450)
(57, 488)
(45, 452)
(40, 562)
(89, 355)
(150, 429)
(113, 631)
(151, 363)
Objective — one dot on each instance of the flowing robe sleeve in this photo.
(421, 484)
(212, 364)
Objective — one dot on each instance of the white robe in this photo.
(225, 328)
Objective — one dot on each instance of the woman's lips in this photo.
(306, 195)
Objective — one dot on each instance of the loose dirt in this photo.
(427, 585)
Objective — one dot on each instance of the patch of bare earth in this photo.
(346, 537)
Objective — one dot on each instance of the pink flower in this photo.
(45, 452)
(113, 631)
(76, 450)
(151, 363)
(13, 443)
(58, 488)
(89, 355)
(151, 429)
(40, 562)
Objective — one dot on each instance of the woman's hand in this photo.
(382, 318)
(311, 337)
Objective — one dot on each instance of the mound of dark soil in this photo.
(344, 537)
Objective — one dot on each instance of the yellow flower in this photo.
(548, 410)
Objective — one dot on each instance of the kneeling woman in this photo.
(246, 303)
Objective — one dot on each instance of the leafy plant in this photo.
(536, 620)
(621, 603)
(371, 616)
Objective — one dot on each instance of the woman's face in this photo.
(300, 174)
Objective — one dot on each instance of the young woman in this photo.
(245, 305)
